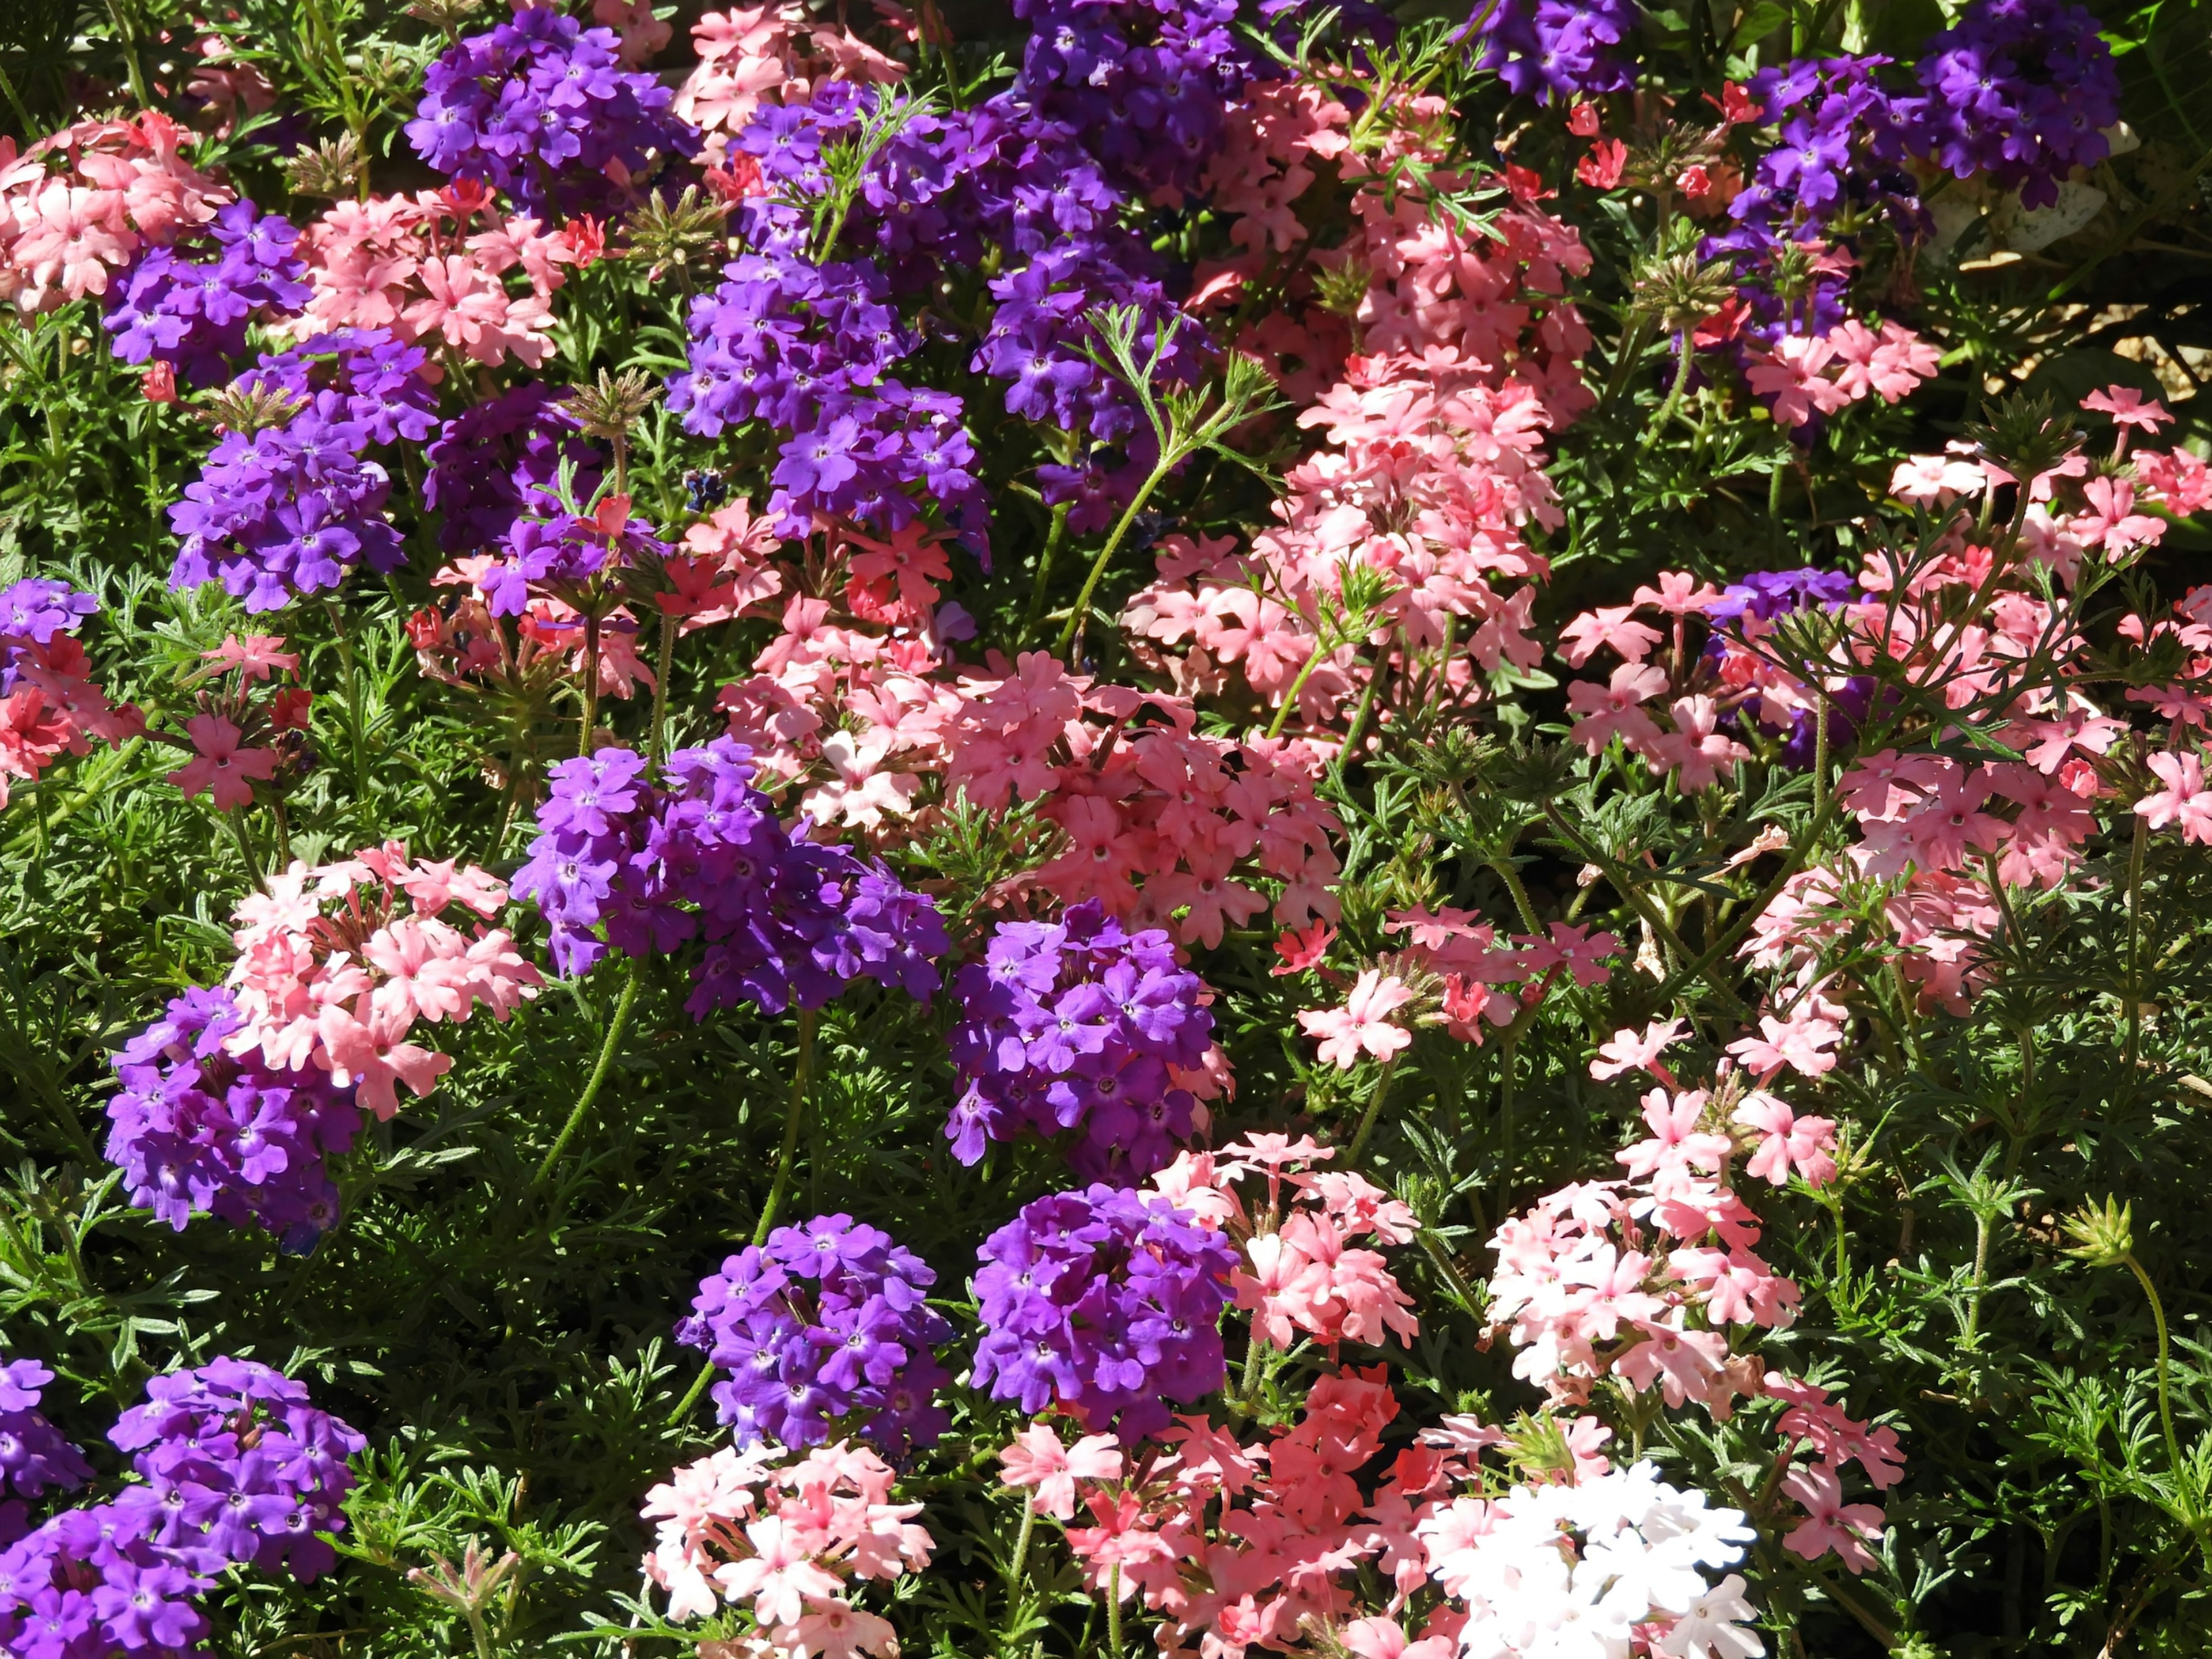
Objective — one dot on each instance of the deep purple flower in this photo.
(540, 107)
(199, 1131)
(637, 867)
(496, 459)
(173, 308)
(32, 611)
(1078, 1025)
(1553, 51)
(1106, 1302)
(823, 1323)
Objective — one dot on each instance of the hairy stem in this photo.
(1374, 1106)
(1071, 636)
(1053, 539)
(2164, 1381)
(616, 1024)
(658, 736)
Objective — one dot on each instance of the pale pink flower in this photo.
(1632, 1051)
(1037, 1458)
(1787, 1141)
(1361, 1025)
(1830, 1523)
(2184, 800)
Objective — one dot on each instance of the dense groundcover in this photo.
(1138, 826)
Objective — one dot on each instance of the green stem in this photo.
(1321, 648)
(691, 1397)
(1071, 636)
(801, 1075)
(613, 1040)
(1114, 1611)
(127, 38)
(659, 733)
(1020, 1564)
(1374, 1106)
(2164, 1386)
(1674, 401)
(1983, 1229)
(590, 684)
(1053, 539)
(2134, 940)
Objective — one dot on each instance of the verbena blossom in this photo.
(289, 508)
(236, 1468)
(199, 1131)
(824, 1326)
(628, 863)
(333, 973)
(34, 1457)
(497, 459)
(1106, 1302)
(1078, 1025)
(541, 108)
(1554, 52)
(192, 313)
(1304, 1273)
(788, 1543)
(49, 706)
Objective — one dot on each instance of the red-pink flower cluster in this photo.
(332, 972)
(791, 1539)
(1303, 1274)
(55, 709)
(80, 203)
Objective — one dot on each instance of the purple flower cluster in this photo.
(496, 459)
(32, 611)
(1143, 83)
(1766, 594)
(2022, 90)
(290, 509)
(540, 107)
(807, 347)
(624, 863)
(33, 1456)
(1077, 1025)
(824, 1321)
(1106, 1302)
(198, 1132)
(1554, 52)
(237, 1468)
(192, 313)
(560, 552)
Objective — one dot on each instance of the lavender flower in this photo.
(1106, 1302)
(33, 1456)
(290, 509)
(236, 1467)
(198, 1131)
(32, 611)
(493, 460)
(624, 863)
(1553, 51)
(2020, 90)
(824, 1321)
(1077, 1025)
(192, 313)
(540, 107)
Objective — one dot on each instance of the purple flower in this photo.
(825, 1321)
(193, 312)
(288, 509)
(199, 1132)
(1077, 1024)
(32, 611)
(637, 867)
(1553, 51)
(33, 1456)
(494, 460)
(540, 107)
(1106, 1302)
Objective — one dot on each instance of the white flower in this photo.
(1712, 1628)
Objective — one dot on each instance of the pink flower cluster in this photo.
(227, 760)
(1433, 471)
(80, 203)
(790, 1538)
(434, 268)
(1652, 1282)
(1304, 1275)
(332, 972)
(1810, 375)
(772, 53)
(467, 645)
(55, 709)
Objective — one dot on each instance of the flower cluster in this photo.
(199, 1131)
(1106, 1302)
(2019, 90)
(236, 1467)
(496, 459)
(49, 706)
(1554, 52)
(541, 108)
(625, 863)
(825, 1321)
(1304, 1275)
(790, 1540)
(1076, 1024)
(34, 1458)
(80, 204)
(191, 313)
(288, 509)
(331, 972)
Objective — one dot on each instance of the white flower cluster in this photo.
(1585, 1572)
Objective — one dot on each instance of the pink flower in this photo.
(1613, 626)
(2184, 800)
(1830, 1523)
(256, 656)
(2127, 407)
(1612, 707)
(1601, 168)
(780, 1577)
(1363, 1023)
(369, 1053)
(1301, 950)
(1037, 1459)
(1678, 594)
(1791, 376)
(223, 769)
(1632, 1051)
(838, 1631)
(1787, 1141)
(1800, 1042)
